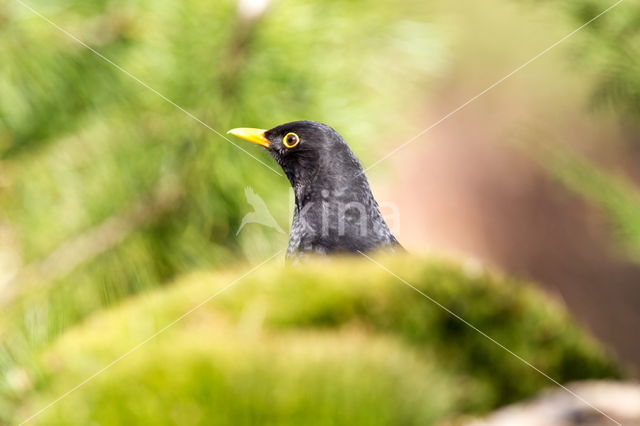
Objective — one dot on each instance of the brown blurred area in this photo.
(471, 196)
(465, 188)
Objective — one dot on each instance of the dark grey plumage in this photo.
(335, 211)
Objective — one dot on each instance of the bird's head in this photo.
(306, 150)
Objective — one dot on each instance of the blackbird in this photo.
(335, 211)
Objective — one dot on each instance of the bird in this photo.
(335, 211)
(260, 213)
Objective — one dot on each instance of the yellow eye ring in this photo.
(290, 140)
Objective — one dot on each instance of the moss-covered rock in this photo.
(336, 341)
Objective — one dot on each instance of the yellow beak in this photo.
(251, 135)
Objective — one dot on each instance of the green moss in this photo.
(208, 372)
(327, 342)
(513, 313)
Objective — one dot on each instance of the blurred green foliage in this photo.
(609, 47)
(609, 50)
(345, 344)
(83, 144)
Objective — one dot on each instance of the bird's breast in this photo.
(327, 224)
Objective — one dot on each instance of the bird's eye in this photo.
(290, 140)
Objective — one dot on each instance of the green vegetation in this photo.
(609, 50)
(84, 148)
(340, 345)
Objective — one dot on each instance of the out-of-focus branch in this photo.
(107, 235)
(87, 246)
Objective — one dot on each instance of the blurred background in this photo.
(112, 196)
